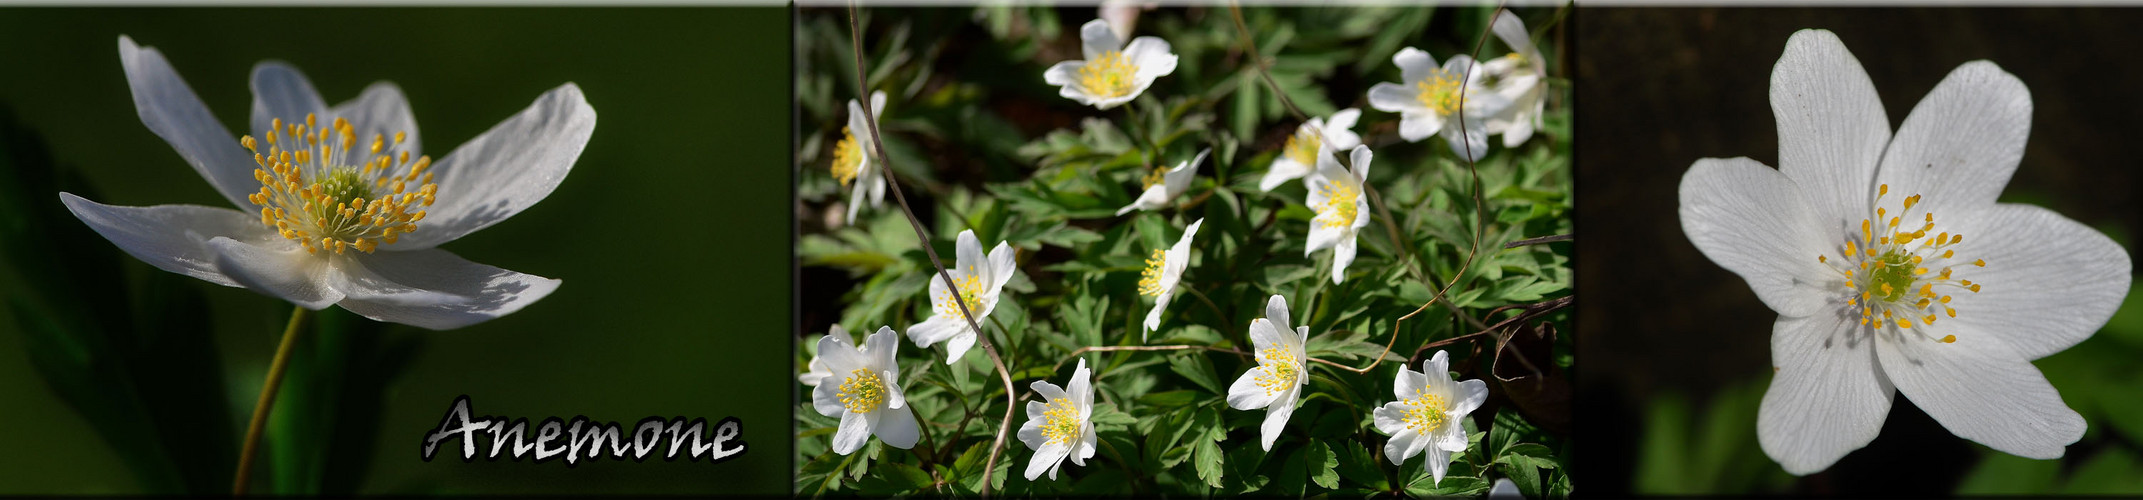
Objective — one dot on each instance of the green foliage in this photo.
(978, 142)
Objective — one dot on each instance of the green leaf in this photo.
(1323, 465)
(1195, 366)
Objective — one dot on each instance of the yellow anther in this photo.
(1946, 339)
(1109, 75)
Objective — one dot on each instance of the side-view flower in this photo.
(1428, 414)
(1520, 77)
(1058, 426)
(1112, 73)
(1299, 156)
(1163, 271)
(1858, 241)
(852, 163)
(1276, 383)
(337, 205)
(1342, 209)
(816, 370)
(864, 391)
(980, 279)
(1163, 186)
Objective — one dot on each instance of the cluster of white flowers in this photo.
(1504, 97)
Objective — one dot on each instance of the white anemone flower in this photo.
(1428, 415)
(868, 398)
(1275, 384)
(1428, 101)
(1342, 211)
(1112, 73)
(1299, 156)
(1163, 186)
(1858, 241)
(816, 370)
(979, 281)
(1060, 426)
(336, 205)
(1163, 271)
(1521, 78)
(852, 158)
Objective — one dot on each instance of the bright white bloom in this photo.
(1162, 272)
(816, 369)
(1162, 186)
(338, 205)
(1299, 156)
(1428, 414)
(1112, 73)
(1342, 211)
(1521, 78)
(852, 158)
(979, 282)
(1276, 383)
(1505, 490)
(1858, 241)
(1058, 426)
(1428, 101)
(868, 398)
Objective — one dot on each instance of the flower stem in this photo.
(267, 401)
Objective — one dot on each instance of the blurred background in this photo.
(120, 378)
(1678, 346)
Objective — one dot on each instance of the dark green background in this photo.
(665, 232)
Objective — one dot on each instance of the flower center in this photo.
(1302, 147)
(1425, 413)
(309, 196)
(1889, 274)
(967, 290)
(1280, 370)
(1108, 76)
(1157, 177)
(1439, 92)
(847, 157)
(1060, 423)
(1149, 282)
(1339, 208)
(862, 392)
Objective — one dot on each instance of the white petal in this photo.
(1438, 366)
(1001, 266)
(1065, 74)
(1340, 126)
(1342, 255)
(1031, 432)
(1983, 390)
(1276, 416)
(1505, 490)
(280, 91)
(282, 271)
(1087, 439)
(1754, 221)
(852, 434)
(855, 200)
(1520, 129)
(1081, 389)
(1414, 65)
(380, 111)
(968, 259)
(1395, 98)
(508, 168)
(1512, 31)
(1416, 125)
(897, 428)
(1283, 169)
(1246, 394)
(1046, 459)
(878, 350)
(1437, 462)
(1827, 397)
(1360, 158)
(171, 237)
(2050, 282)
(958, 345)
(1264, 335)
(478, 292)
(841, 356)
(1153, 316)
(1961, 143)
(1154, 198)
(1390, 419)
(170, 109)
(1831, 128)
(934, 330)
(1471, 393)
(1179, 179)
(1472, 141)
(1452, 436)
(1095, 38)
(814, 372)
(1278, 321)
(1408, 383)
(1152, 57)
(1396, 448)
(826, 398)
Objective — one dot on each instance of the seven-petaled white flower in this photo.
(1112, 73)
(1428, 101)
(1162, 273)
(1162, 186)
(1428, 414)
(852, 158)
(979, 282)
(1058, 426)
(1342, 211)
(337, 205)
(1521, 78)
(1299, 156)
(868, 398)
(1275, 384)
(1857, 240)
(816, 370)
